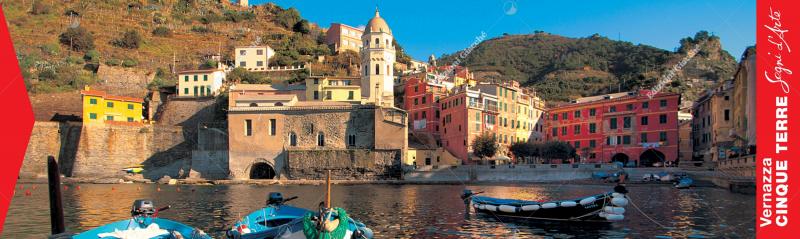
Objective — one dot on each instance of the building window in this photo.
(272, 126)
(592, 128)
(626, 122)
(592, 143)
(259, 63)
(316, 95)
(645, 105)
(727, 115)
(109, 117)
(727, 97)
(644, 138)
(92, 115)
(92, 101)
(577, 114)
(185, 91)
(130, 119)
(577, 144)
(195, 77)
(423, 99)
(662, 136)
(565, 115)
(592, 112)
(321, 139)
(328, 95)
(259, 52)
(555, 131)
(110, 104)
(202, 89)
(350, 95)
(205, 77)
(242, 52)
(662, 119)
(195, 91)
(351, 140)
(645, 120)
(555, 117)
(629, 107)
(577, 129)
(612, 123)
(186, 78)
(563, 130)
(377, 69)
(663, 103)
(208, 90)
(248, 127)
(626, 139)
(612, 109)
(242, 64)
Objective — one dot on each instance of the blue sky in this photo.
(436, 27)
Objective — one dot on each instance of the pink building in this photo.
(627, 127)
(421, 101)
(466, 114)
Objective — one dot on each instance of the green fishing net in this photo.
(310, 227)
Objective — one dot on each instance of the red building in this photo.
(466, 114)
(626, 127)
(421, 100)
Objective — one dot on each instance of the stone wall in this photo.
(505, 173)
(50, 139)
(355, 164)
(124, 78)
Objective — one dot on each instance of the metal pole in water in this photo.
(56, 209)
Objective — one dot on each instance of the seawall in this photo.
(506, 173)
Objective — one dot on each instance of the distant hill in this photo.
(563, 68)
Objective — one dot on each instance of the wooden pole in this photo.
(328, 193)
(56, 208)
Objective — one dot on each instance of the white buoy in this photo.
(507, 208)
(492, 208)
(476, 205)
(481, 207)
(569, 204)
(529, 208)
(549, 205)
(617, 195)
(587, 201)
(620, 202)
(614, 217)
(614, 210)
(602, 214)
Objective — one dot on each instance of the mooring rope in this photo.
(644, 214)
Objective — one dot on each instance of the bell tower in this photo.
(377, 62)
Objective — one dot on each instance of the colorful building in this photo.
(342, 37)
(200, 83)
(629, 127)
(99, 107)
(467, 114)
(377, 62)
(253, 58)
(344, 89)
(713, 123)
(421, 100)
(519, 112)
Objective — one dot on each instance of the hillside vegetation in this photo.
(563, 68)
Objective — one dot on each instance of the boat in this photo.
(684, 182)
(133, 169)
(605, 207)
(144, 223)
(278, 220)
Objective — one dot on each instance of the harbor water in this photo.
(396, 211)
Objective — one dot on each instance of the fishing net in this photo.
(311, 232)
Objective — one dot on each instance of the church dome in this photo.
(377, 24)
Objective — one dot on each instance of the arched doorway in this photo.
(620, 157)
(650, 157)
(262, 170)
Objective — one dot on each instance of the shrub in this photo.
(209, 64)
(50, 49)
(288, 18)
(40, 8)
(113, 62)
(130, 39)
(242, 75)
(130, 62)
(74, 60)
(200, 29)
(162, 31)
(78, 38)
(302, 27)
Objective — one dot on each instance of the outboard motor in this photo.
(275, 198)
(143, 207)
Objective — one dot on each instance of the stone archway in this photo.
(262, 170)
(620, 157)
(651, 156)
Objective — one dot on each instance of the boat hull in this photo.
(607, 207)
(172, 227)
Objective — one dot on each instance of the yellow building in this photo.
(200, 83)
(253, 58)
(343, 89)
(99, 107)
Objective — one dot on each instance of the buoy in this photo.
(614, 217)
(602, 214)
(620, 202)
(492, 208)
(158, 189)
(65, 187)
(112, 189)
(27, 192)
(529, 208)
(507, 208)
(34, 187)
(614, 210)
(475, 205)
(193, 190)
(549, 205)
(569, 204)
(138, 188)
(78, 187)
(617, 195)
(587, 201)
(177, 189)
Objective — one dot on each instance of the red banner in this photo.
(778, 92)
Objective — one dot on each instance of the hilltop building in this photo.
(200, 83)
(342, 37)
(627, 127)
(253, 58)
(101, 108)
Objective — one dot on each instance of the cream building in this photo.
(345, 89)
(378, 58)
(253, 58)
(200, 83)
(343, 37)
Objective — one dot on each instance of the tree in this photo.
(288, 18)
(77, 38)
(131, 40)
(521, 149)
(302, 27)
(484, 146)
(244, 76)
(558, 150)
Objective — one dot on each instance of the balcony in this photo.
(481, 106)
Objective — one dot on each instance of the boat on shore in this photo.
(605, 207)
(144, 223)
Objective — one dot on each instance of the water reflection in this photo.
(398, 211)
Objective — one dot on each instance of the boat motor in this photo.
(143, 207)
(276, 198)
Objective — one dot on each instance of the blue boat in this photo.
(278, 220)
(606, 207)
(684, 182)
(144, 223)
